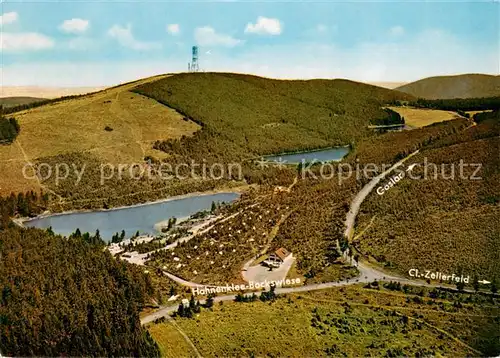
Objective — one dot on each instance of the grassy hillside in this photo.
(8, 102)
(113, 125)
(461, 86)
(350, 321)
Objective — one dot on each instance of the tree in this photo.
(171, 223)
(405, 319)
(180, 310)
(268, 295)
(210, 301)
(493, 286)
(239, 297)
(192, 303)
(475, 284)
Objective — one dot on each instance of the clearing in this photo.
(421, 117)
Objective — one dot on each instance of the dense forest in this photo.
(244, 116)
(391, 147)
(68, 297)
(22, 204)
(483, 116)
(390, 117)
(457, 104)
(447, 220)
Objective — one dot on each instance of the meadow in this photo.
(115, 125)
(351, 321)
(418, 117)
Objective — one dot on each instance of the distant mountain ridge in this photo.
(45, 92)
(459, 86)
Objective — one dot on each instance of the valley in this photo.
(308, 179)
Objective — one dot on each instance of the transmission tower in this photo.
(193, 66)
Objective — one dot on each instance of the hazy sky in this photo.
(106, 42)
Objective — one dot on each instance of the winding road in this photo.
(367, 272)
(363, 193)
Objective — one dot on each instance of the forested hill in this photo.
(68, 297)
(461, 86)
(244, 115)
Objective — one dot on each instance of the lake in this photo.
(140, 218)
(325, 155)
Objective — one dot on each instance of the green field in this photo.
(417, 117)
(78, 126)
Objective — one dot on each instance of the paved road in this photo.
(367, 275)
(363, 193)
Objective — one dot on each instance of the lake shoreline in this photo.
(305, 156)
(300, 152)
(21, 220)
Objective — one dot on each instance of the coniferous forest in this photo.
(9, 128)
(68, 296)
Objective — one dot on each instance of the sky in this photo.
(100, 43)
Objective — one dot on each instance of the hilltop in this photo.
(460, 86)
(257, 116)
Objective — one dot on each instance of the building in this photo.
(277, 258)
